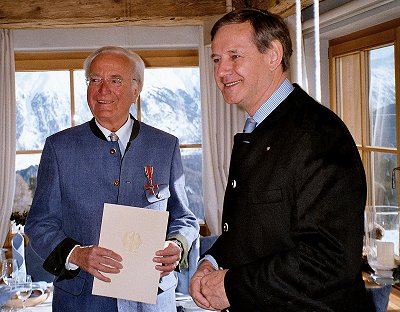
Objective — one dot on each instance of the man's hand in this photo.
(168, 258)
(204, 269)
(95, 259)
(213, 289)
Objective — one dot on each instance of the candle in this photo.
(385, 253)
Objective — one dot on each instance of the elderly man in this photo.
(105, 161)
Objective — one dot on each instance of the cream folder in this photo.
(135, 234)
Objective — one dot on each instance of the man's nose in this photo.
(104, 87)
(224, 67)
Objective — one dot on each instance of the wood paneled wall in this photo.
(71, 13)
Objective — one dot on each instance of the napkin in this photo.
(18, 253)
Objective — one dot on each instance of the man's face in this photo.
(111, 90)
(241, 72)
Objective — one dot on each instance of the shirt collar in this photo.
(273, 101)
(123, 133)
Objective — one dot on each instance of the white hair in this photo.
(136, 61)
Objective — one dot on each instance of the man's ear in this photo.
(275, 53)
(135, 94)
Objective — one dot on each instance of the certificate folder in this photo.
(135, 234)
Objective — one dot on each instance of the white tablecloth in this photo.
(43, 307)
(186, 303)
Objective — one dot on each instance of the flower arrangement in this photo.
(19, 217)
(22, 201)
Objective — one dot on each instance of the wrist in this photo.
(178, 242)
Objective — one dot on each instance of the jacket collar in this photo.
(97, 132)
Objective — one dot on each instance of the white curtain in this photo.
(298, 69)
(221, 122)
(7, 130)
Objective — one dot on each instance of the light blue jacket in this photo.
(80, 171)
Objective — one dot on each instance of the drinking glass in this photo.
(9, 271)
(382, 242)
(24, 289)
(2, 258)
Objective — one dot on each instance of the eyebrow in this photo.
(232, 51)
(112, 76)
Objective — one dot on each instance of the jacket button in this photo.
(225, 227)
(116, 183)
(113, 151)
(233, 183)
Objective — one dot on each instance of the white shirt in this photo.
(124, 133)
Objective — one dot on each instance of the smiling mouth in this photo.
(104, 102)
(230, 84)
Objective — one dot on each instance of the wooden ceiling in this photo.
(21, 14)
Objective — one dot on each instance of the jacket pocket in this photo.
(264, 197)
(72, 286)
(157, 194)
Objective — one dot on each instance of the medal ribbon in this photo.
(149, 175)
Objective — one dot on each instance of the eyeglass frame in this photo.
(113, 81)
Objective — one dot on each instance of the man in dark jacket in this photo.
(292, 224)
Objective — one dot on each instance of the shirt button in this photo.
(113, 151)
(116, 182)
(225, 227)
(233, 183)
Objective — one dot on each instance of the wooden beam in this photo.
(20, 14)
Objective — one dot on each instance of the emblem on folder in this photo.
(131, 241)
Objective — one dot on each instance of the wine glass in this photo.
(24, 289)
(2, 258)
(9, 271)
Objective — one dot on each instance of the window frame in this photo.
(70, 61)
(361, 43)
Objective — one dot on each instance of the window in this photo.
(51, 96)
(365, 94)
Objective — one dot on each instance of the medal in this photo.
(148, 170)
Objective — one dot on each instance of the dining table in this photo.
(41, 303)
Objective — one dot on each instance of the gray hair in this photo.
(136, 62)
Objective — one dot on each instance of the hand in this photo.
(213, 289)
(169, 258)
(95, 259)
(204, 269)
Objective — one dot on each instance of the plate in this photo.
(30, 302)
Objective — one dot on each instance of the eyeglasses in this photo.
(113, 82)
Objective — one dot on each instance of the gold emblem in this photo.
(131, 241)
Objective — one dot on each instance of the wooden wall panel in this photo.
(96, 13)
